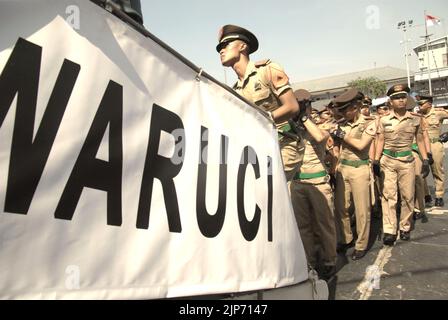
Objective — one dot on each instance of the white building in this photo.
(325, 89)
(436, 57)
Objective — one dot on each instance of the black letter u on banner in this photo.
(211, 225)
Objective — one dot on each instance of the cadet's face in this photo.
(399, 102)
(325, 115)
(365, 111)
(382, 111)
(425, 107)
(230, 53)
(349, 113)
(337, 114)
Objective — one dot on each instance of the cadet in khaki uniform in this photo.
(396, 133)
(383, 110)
(312, 198)
(419, 195)
(420, 182)
(365, 106)
(263, 83)
(353, 137)
(434, 118)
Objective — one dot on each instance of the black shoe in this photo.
(418, 215)
(428, 201)
(405, 235)
(389, 239)
(342, 247)
(438, 202)
(358, 254)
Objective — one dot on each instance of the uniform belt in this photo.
(434, 140)
(415, 147)
(397, 154)
(354, 163)
(285, 128)
(303, 176)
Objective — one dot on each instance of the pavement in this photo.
(410, 270)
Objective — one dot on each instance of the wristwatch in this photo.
(303, 118)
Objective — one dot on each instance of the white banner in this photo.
(124, 177)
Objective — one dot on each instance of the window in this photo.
(436, 46)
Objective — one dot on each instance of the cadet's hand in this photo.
(443, 137)
(301, 113)
(425, 168)
(294, 126)
(338, 134)
(430, 159)
(376, 168)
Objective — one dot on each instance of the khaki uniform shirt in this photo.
(364, 125)
(399, 133)
(263, 83)
(314, 158)
(433, 119)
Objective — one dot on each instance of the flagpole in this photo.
(406, 56)
(427, 56)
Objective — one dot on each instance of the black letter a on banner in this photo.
(21, 77)
(95, 173)
(162, 168)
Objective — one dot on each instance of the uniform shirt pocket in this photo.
(409, 132)
(389, 133)
(260, 96)
(433, 122)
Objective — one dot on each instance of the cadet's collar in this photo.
(354, 124)
(250, 69)
(430, 112)
(360, 120)
(393, 115)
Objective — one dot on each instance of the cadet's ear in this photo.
(243, 46)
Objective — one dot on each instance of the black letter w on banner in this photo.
(21, 77)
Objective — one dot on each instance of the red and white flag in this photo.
(431, 20)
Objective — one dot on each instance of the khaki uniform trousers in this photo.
(292, 154)
(313, 209)
(351, 181)
(396, 172)
(427, 192)
(419, 196)
(437, 168)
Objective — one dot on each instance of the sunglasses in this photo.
(399, 96)
(224, 44)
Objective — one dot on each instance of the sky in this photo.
(310, 39)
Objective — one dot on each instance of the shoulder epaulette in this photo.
(262, 63)
(416, 114)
